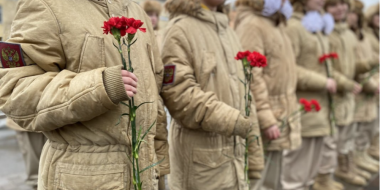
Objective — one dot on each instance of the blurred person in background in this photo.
(205, 97)
(366, 108)
(153, 10)
(260, 24)
(372, 31)
(31, 145)
(338, 157)
(308, 30)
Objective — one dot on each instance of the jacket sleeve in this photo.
(260, 94)
(188, 104)
(41, 96)
(258, 86)
(343, 83)
(370, 86)
(310, 80)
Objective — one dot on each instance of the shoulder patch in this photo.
(11, 55)
(169, 74)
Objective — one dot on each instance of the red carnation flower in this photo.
(257, 60)
(323, 58)
(134, 25)
(242, 54)
(123, 24)
(333, 55)
(306, 105)
(315, 104)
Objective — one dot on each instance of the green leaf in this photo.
(124, 114)
(155, 164)
(133, 43)
(146, 132)
(137, 107)
(124, 104)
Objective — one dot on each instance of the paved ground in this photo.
(12, 168)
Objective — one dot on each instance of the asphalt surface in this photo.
(12, 169)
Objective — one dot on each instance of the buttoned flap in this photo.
(212, 158)
(90, 177)
(213, 169)
(93, 53)
(208, 68)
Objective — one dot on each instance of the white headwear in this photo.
(272, 6)
(313, 21)
(229, 2)
(287, 9)
(329, 23)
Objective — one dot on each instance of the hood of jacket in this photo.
(187, 7)
(371, 11)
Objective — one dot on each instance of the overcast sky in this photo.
(369, 2)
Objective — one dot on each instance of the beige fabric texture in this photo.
(301, 166)
(308, 48)
(62, 93)
(206, 101)
(281, 76)
(364, 134)
(344, 42)
(329, 154)
(365, 102)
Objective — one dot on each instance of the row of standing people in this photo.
(293, 35)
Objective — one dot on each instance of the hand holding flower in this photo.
(272, 132)
(130, 82)
(357, 88)
(331, 85)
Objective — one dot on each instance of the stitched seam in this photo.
(56, 107)
(52, 13)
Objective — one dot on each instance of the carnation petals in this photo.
(124, 25)
(255, 59)
(309, 106)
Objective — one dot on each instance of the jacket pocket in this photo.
(93, 53)
(90, 177)
(208, 69)
(213, 169)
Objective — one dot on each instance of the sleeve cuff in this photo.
(254, 174)
(266, 119)
(114, 85)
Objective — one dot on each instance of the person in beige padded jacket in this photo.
(340, 147)
(204, 95)
(366, 103)
(308, 30)
(260, 24)
(372, 31)
(71, 87)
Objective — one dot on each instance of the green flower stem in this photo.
(247, 103)
(132, 119)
